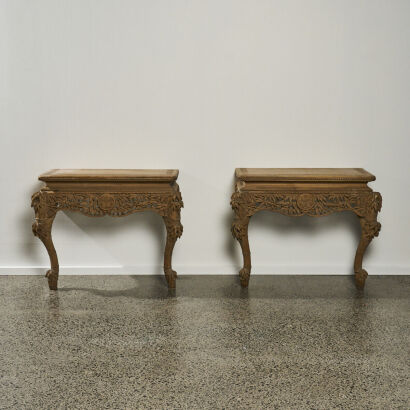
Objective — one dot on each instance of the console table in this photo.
(305, 191)
(113, 192)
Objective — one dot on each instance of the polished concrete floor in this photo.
(126, 342)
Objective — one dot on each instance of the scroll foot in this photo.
(360, 279)
(52, 279)
(42, 225)
(239, 231)
(170, 276)
(370, 228)
(244, 275)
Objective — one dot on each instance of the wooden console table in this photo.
(305, 191)
(113, 192)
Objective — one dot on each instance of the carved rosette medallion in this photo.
(106, 202)
(305, 201)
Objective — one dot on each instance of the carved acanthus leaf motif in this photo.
(112, 204)
(370, 228)
(313, 204)
(239, 229)
(176, 201)
(174, 228)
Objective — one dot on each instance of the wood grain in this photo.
(110, 175)
(303, 174)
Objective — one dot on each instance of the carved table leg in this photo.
(42, 229)
(240, 232)
(174, 231)
(369, 229)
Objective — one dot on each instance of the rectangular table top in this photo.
(110, 175)
(303, 175)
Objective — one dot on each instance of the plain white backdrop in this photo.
(204, 86)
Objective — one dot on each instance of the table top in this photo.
(303, 174)
(110, 175)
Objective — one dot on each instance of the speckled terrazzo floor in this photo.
(126, 342)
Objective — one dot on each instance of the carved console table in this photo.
(113, 192)
(305, 191)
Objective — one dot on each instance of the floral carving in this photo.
(106, 202)
(112, 204)
(370, 228)
(176, 200)
(239, 228)
(313, 204)
(44, 217)
(174, 227)
(305, 201)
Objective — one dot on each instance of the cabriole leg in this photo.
(42, 229)
(174, 231)
(370, 229)
(240, 232)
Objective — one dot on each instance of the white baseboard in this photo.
(205, 270)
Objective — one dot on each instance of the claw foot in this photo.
(244, 275)
(360, 279)
(52, 279)
(170, 276)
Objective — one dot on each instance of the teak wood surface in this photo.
(113, 192)
(305, 191)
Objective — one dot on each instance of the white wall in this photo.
(204, 86)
